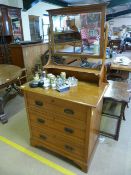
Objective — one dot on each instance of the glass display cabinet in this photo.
(10, 30)
(77, 42)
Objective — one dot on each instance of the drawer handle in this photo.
(43, 137)
(40, 120)
(69, 111)
(69, 130)
(38, 103)
(69, 148)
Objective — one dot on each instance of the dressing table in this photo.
(69, 123)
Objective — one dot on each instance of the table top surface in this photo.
(87, 94)
(120, 66)
(8, 73)
(118, 91)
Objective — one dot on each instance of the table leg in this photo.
(3, 117)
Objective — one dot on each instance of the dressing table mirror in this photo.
(77, 33)
(77, 42)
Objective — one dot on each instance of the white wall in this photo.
(39, 9)
(14, 3)
(121, 20)
(25, 25)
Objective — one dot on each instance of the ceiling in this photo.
(115, 8)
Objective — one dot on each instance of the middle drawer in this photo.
(42, 121)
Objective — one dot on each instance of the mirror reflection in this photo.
(79, 33)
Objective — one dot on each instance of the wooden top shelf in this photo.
(77, 69)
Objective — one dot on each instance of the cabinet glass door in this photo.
(15, 23)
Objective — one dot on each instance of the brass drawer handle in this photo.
(69, 111)
(43, 137)
(68, 130)
(38, 103)
(40, 120)
(69, 148)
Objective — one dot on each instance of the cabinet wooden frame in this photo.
(75, 114)
(7, 31)
(78, 130)
(5, 11)
(79, 10)
(95, 75)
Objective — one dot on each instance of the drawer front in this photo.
(65, 130)
(66, 108)
(44, 114)
(69, 148)
(37, 101)
(79, 124)
(57, 149)
(43, 135)
(40, 122)
(74, 140)
(48, 137)
(65, 133)
(70, 111)
(48, 121)
(69, 130)
(40, 119)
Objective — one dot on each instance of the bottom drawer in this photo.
(48, 137)
(54, 148)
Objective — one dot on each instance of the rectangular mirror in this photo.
(77, 33)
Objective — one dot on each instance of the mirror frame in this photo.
(72, 10)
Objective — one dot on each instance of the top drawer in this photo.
(58, 106)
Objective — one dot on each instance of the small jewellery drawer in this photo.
(58, 106)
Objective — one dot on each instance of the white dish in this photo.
(124, 64)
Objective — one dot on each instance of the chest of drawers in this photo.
(65, 123)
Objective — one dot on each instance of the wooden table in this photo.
(115, 95)
(119, 71)
(117, 90)
(120, 67)
(8, 76)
